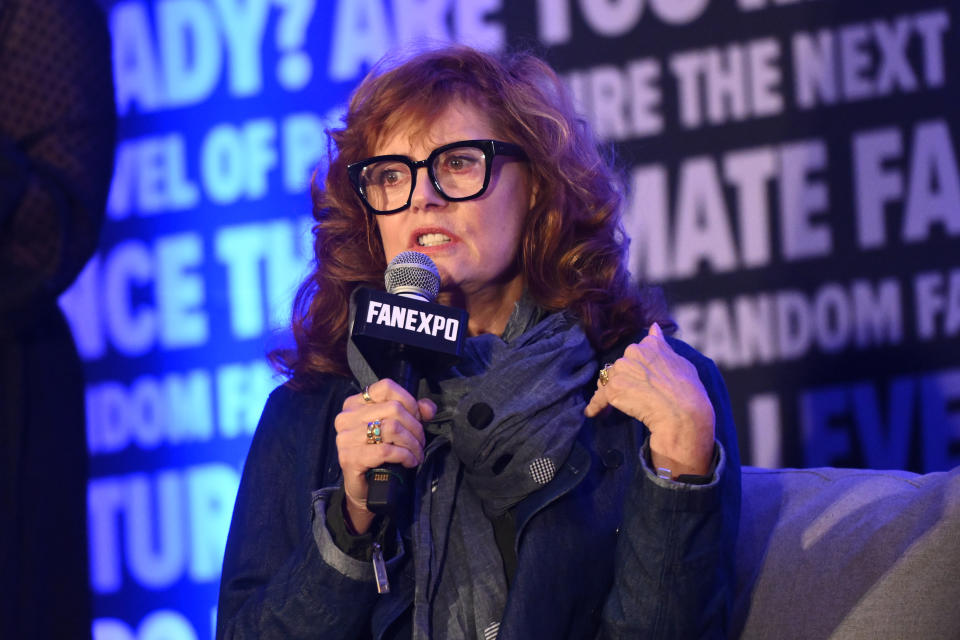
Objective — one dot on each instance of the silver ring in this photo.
(366, 395)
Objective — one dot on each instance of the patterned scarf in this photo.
(508, 415)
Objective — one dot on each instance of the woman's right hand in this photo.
(400, 418)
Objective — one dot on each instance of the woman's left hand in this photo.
(655, 385)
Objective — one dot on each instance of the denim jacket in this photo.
(605, 550)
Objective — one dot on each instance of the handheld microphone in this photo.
(402, 332)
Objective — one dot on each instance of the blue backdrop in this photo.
(793, 184)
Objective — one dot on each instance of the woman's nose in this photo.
(424, 194)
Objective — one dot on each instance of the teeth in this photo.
(432, 239)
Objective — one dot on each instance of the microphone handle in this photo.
(390, 486)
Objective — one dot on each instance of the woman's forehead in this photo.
(427, 129)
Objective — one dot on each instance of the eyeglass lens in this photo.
(459, 173)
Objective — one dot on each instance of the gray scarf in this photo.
(508, 415)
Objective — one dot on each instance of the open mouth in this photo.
(432, 239)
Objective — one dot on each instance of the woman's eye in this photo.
(389, 177)
(459, 163)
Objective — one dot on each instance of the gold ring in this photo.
(374, 433)
(366, 395)
(605, 374)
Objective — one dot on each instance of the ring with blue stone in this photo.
(374, 433)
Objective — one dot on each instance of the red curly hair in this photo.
(573, 251)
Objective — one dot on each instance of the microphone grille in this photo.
(412, 273)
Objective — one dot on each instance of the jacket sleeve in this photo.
(674, 573)
(283, 577)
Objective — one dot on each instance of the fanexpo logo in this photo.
(412, 320)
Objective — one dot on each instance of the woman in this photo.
(546, 505)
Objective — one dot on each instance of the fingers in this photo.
(396, 424)
(382, 391)
(399, 445)
(653, 342)
(600, 399)
(358, 459)
(632, 374)
(655, 330)
(624, 376)
(401, 431)
(598, 402)
(595, 406)
(427, 409)
(395, 434)
(402, 439)
(662, 389)
(654, 384)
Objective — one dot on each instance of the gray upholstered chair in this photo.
(847, 553)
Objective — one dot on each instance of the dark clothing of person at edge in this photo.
(57, 134)
(575, 472)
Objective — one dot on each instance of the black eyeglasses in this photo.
(459, 171)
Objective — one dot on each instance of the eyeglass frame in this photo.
(490, 148)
